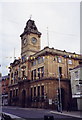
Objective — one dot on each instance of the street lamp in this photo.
(60, 102)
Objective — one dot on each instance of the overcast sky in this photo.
(61, 18)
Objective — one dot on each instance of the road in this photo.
(32, 112)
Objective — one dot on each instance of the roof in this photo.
(30, 28)
(52, 51)
(16, 62)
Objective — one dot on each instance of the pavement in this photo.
(12, 116)
(77, 114)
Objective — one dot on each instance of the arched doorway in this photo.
(23, 98)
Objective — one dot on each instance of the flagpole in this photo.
(14, 53)
(47, 36)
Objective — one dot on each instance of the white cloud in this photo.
(62, 20)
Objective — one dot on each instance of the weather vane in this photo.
(30, 17)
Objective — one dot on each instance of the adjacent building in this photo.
(0, 89)
(76, 84)
(34, 78)
(5, 83)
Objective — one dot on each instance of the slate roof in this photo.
(30, 28)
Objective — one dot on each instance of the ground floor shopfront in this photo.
(42, 93)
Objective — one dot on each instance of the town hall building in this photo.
(41, 78)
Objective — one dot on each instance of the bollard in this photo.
(48, 117)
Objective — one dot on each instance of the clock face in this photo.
(24, 42)
(34, 40)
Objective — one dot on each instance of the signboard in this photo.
(50, 101)
(76, 96)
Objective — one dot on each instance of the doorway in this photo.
(23, 98)
(63, 98)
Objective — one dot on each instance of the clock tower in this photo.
(30, 39)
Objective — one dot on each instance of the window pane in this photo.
(60, 72)
(38, 90)
(42, 90)
(34, 91)
(31, 93)
(42, 71)
(24, 58)
(32, 75)
(34, 63)
(39, 72)
(16, 92)
(76, 74)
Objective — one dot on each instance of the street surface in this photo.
(32, 112)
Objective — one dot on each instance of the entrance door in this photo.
(23, 98)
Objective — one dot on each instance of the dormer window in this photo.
(70, 62)
(24, 58)
(34, 63)
(59, 59)
(40, 60)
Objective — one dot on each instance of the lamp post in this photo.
(60, 102)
